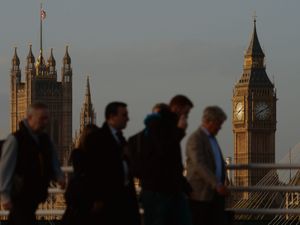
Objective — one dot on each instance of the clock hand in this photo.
(262, 110)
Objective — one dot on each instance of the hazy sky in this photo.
(144, 52)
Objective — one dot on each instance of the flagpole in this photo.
(41, 29)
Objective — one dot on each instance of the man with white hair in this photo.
(206, 170)
(28, 163)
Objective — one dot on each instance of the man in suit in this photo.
(206, 170)
(111, 184)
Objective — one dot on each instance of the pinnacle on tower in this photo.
(15, 59)
(254, 48)
(88, 115)
(30, 56)
(67, 58)
(51, 60)
(88, 100)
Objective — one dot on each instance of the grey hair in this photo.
(213, 113)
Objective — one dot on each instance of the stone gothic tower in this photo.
(254, 115)
(87, 115)
(41, 84)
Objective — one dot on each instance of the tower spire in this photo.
(15, 59)
(88, 100)
(88, 115)
(51, 60)
(254, 16)
(30, 56)
(254, 64)
(67, 58)
(254, 48)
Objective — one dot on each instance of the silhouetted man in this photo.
(113, 190)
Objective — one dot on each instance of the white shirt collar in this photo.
(205, 131)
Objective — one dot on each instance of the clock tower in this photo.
(254, 115)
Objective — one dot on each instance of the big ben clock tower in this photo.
(254, 115)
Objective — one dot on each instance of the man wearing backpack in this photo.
(28, 164)
(155, 156)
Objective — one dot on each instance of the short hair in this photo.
(36, 106)
(160, 107)
(181, 101)
(112, 108)
(213, 113)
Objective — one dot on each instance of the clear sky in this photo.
(144, 52)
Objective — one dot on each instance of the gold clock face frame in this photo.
(262, 111)
(239, 110)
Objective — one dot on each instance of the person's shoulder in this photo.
(132, 140)
(10, 139)
(96, 131)
(198, 134)
(137, 135)
(103, 130)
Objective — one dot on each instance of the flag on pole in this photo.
(43, 14)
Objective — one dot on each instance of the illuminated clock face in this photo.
(239, 111)
(262, 111)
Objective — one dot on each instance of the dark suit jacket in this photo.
(201, 166)
(105, 163)
(106, 170)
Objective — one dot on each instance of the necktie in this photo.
(121, 138)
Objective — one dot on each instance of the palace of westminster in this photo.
(253, 106)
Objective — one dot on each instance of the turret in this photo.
(66, 69)
(30, 62)
(66, 74)
(67, 58)
(15, 68)
(15, 60)
(15, 86)
(51, 65)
